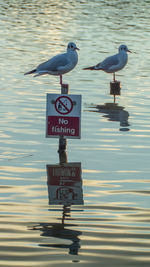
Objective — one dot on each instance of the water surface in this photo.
(111, 226)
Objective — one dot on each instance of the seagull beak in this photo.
(129, 51)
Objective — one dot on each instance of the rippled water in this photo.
(111, 227)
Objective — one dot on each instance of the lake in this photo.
(109, 221)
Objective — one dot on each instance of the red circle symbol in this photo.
(63, 105)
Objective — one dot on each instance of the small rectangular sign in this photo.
(63, 115)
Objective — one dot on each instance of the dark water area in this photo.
(108, 221)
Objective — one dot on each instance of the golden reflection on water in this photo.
(17, 169)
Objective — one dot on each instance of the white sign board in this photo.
(63, 115)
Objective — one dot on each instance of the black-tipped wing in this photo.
(54, 64)
(108, 63)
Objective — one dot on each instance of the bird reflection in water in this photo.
(65, 189)
(113, 112)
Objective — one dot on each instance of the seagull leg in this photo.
(114, 77)
(60, 79)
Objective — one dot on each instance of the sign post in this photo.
(63, 120)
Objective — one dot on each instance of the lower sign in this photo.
(63, 115)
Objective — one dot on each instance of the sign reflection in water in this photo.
(64, 188)
(65, 184)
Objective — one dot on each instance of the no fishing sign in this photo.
(63, 115)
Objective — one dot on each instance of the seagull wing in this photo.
(108, 63)
(54, 64)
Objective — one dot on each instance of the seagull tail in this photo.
(30, 72)
(90, 68)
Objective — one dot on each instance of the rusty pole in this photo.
(62, 150)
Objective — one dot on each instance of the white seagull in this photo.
(59, 64)
(113, 63)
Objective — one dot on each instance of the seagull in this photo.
(59, 64)
(113, 63)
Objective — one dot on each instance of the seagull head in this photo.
(72, 47)
(124, 48)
